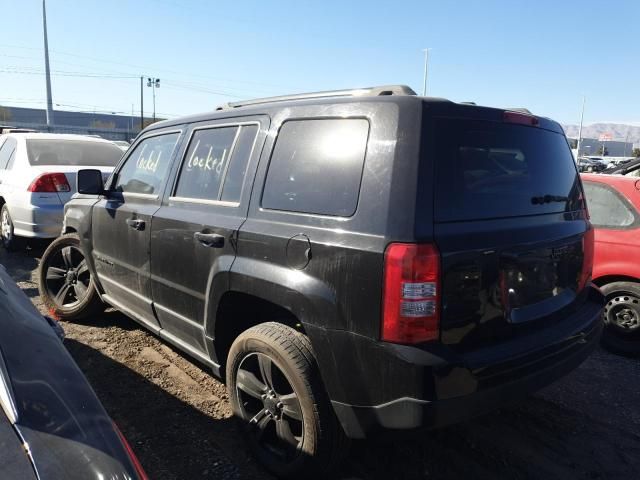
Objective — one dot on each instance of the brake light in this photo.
(50, 182)
(587, 261)
(142, 475)
(520, 118)
(411, 295)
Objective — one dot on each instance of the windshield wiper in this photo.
(548, 199)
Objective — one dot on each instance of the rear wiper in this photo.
(548, 199)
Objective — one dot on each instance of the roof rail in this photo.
(359, 92)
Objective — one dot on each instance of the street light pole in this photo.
(141, 103)
(153, 83)
(426, 66)
(46, 68)
(584, 99)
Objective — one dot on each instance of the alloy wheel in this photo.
(270, 406)
(67, 276)
(5, 226)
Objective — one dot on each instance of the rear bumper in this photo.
(435, 388)
(37, 221)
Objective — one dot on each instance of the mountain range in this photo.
(618, 131)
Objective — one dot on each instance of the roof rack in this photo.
(358, 92)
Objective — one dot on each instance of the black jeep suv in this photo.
(350, 262)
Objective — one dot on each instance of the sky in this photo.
(543, 55)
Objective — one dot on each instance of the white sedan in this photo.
(38, 176)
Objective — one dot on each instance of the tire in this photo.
(9, 241)
(320, 442)
(622, 318)
(63, 267)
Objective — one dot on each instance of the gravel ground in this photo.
(177, 417)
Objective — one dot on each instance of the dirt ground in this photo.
(177, 417)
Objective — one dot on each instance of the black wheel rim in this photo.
(270, 406)
(67, 276)
(623, 313)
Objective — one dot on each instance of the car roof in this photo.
(401, 96)
(55, 136)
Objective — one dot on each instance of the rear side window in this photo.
(607, 208)
(7, 151)
(72, 152)
(239, 161)
(316, 167)
(144, 171)
(494, 170)
(205, 164)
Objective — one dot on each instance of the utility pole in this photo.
(141, 103)
(426, 66)
(584, 99)
(46, 68)
(153, 83)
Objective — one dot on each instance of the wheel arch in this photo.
(606, 279)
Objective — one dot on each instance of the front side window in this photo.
(146, 168)
(316, 167)
(607, 208)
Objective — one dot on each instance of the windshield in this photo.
(493, 170)
(72, 152)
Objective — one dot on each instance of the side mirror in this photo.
(90, 182)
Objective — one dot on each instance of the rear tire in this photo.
(622, 318)
(9, 241)
(286, 415)
(65, 282)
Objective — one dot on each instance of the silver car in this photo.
(38, 176)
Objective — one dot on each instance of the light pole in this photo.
(153, 83)
(46, 67)
(426, 66)
(584, 99)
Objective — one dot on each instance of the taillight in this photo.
(411, 296)
(51, 183)
(520, 118)
(142, 475)
(587, 259)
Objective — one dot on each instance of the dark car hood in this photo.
(65, 428)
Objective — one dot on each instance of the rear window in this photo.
(494, 170)
(72, 152)
(607, 208)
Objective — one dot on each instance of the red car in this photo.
(614, 207)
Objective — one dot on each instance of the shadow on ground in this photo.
(172, 439)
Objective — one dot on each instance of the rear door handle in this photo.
(136, 223)
(209, 239)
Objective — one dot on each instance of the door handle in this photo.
(209, 239)
(136, 223)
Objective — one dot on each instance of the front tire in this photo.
(276, 391)
(9, 241)
(65, 283)
(622, 318)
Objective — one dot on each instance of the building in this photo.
(110, 126)
(614, 148)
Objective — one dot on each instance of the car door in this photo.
(121, 225)
(193, 232)
(617, 226)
